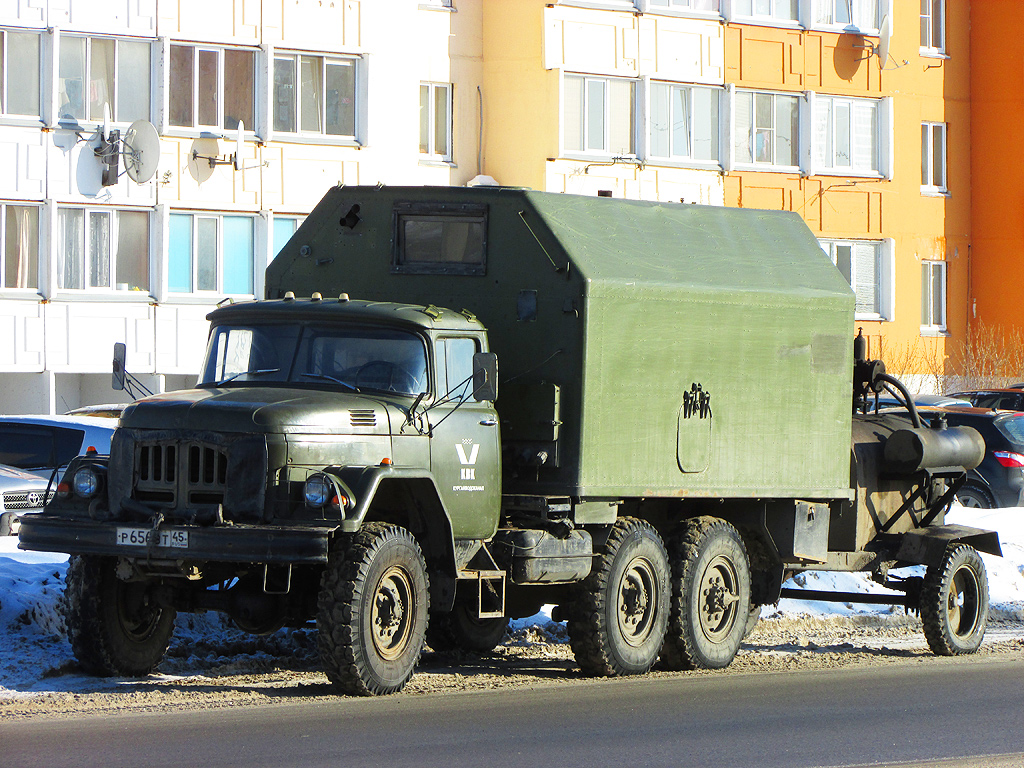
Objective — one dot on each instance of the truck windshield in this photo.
(381, 359)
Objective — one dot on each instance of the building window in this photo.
(865, 265)
(846, 135)
(19, 73)
(102, 248)
(684, 122)
(767, 128)
(212, 87)
(210, 252)
(436, 120)
(598, 115)
(862, 14)
(19, 232)
(933, 296)
(284, 228)
(315, 95)
(94, 71)
(776, 10)
(685, 5)
(933, 26)
(933, 158)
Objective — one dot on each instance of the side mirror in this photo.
(485, 376)
(119, 356)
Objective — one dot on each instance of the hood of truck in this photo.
(264, 410)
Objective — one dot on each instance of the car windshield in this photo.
(353, 358)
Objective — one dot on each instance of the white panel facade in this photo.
(598, 42)
(21, 336)
(181, 332)
(23, 13)
(687, 50)
(114, 17)
(81, 335)
(236, 21)
(663, 184)
(23, 160)
(313, 25)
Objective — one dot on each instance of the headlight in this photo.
(86, 483)
(318, 491)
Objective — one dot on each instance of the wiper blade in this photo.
(234, 376)
(345, 384)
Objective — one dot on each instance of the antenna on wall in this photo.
(234, 159)
(882, 49)
(140, 147)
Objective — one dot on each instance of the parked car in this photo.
(35, 449)
(999, 480)
(941, 401)
(107, 410)
(1007, 398)
(20, 491)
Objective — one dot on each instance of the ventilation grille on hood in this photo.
(363, 418)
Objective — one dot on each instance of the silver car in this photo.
(33, 452)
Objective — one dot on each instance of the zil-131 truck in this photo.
(487, 400)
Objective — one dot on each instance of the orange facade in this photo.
(922, 226)
(997, 198)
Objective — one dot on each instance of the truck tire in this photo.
(372, 610)
(460, 630)
(618, 614)
(710, 596)
(954, 602)
(115, 627)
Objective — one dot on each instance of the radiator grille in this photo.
(25, 499)
(164, 471)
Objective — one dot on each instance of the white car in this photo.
(34, 450)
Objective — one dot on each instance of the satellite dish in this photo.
(884, 36)
(141, 151)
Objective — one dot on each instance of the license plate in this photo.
(145, 537)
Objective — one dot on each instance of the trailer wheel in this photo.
(372, 610)
(954, 602)
(460, 630)
(618, 614)
(115, 627)
(710, 596)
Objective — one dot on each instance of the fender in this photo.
(927, 546)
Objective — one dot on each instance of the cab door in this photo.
(465, 457)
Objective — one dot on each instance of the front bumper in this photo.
(228, 543)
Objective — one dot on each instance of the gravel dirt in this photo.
(285, 668)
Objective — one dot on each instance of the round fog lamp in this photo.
(318, 491)
(86, 483)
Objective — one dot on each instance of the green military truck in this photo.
(681, 421)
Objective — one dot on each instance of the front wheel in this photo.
(954, 602)
(372, 611)
(619, 612)
(710, 596)
(115, 627)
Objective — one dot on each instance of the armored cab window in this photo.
(439, 239)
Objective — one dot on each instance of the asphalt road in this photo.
(878, 715)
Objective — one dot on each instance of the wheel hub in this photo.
(637, 602)
(391, 615)
(719, 594)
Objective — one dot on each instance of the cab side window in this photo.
(455, 367)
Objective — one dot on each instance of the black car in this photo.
(999, 480)
(1008, 398)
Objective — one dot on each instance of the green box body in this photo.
(645, 349)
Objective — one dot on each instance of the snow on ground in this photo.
(36, 658)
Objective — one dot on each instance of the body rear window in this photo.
(28, 446)
(1013, 428)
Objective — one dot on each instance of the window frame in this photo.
(5, 79)
(673, 159)
(32, 290)
(770, 19)
(322, 136)
(681, 8)
(796, 137)
(114, 96)
(824, 157)
(431, 122)
(406, 211)
(884, 277)
(220, 126)
(821, 8)
(584, 114)
(928, 133)
(928, 32)
(929, 268)
(113, 225)
(219, 254)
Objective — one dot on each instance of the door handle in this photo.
(489, 422)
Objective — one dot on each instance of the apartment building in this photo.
(782, 104)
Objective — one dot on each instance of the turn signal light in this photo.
(1008, 459)
(385, 462)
